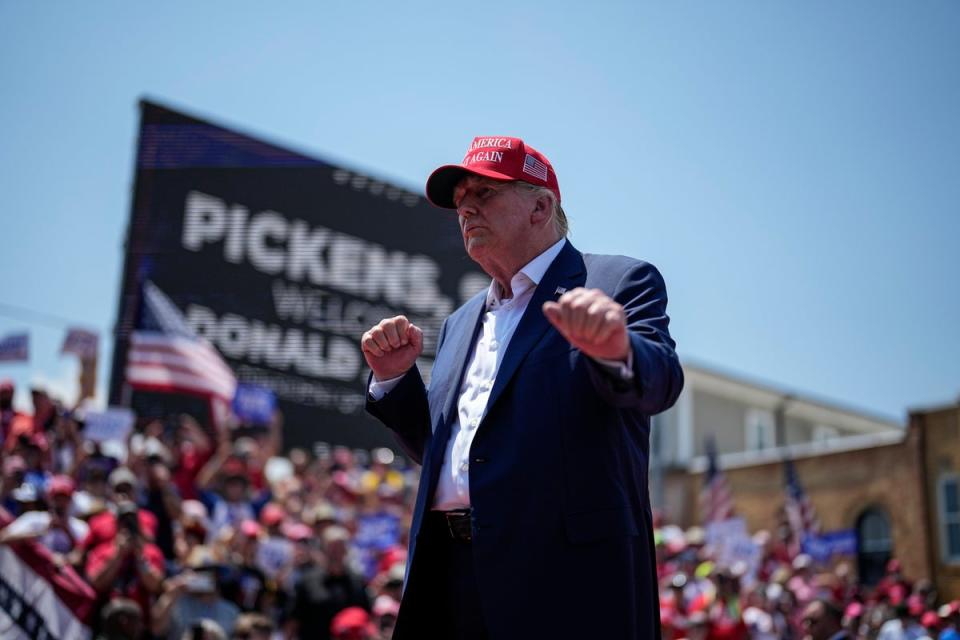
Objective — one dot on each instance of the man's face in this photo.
(61, 503)
(41, 402)
(336, 550)
(235, 489)
(124, 491)
(128, 626)
(494, 217)
(816, 623)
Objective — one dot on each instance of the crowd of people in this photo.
(187, 531)
(203, 533)
(788, 596)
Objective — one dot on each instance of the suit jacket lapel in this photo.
(568, 272)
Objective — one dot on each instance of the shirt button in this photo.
(464, 467)
(493, 345)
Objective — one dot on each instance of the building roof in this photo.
(800, 451)
(795, 403)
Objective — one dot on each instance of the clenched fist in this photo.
(392, 347)
(592, 322)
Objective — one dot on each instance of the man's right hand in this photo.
(392, 347)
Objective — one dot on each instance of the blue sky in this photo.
(792, 168)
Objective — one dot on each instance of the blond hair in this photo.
(559, 217)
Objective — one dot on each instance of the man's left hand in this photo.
(592, 322)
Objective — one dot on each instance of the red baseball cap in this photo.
(250, 528)
(297, 532)
(350, 623)
(496, 157)
(272, 514)
(60, 485)
(234, 468)
(915, 605)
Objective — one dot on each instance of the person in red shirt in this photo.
(893, 587)
(128, 565)
(193, 450)
(726, 612)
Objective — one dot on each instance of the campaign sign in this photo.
(15, 347)
(825, 546)
(254, 404)
(282, 261)
(375, 532)
(113, 424)
(718, 532)
(81, 343)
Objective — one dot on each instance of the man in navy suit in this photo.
(533, 515)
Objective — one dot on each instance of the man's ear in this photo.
(541, 210)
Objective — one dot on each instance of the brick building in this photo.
(938, 439)
(899, 490)
(744, 415)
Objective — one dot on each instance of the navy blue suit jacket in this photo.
(562, 528)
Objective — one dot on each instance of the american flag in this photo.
(535, 168)
(801, 516)
(716, 500)
(166, 355)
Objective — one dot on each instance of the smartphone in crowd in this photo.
(200, 582)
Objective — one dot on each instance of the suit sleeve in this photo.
(405, 410)
(657, 375)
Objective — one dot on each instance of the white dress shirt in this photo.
(500, 320)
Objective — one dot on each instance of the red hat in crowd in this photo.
(496, 157)
(897, 593)
(272, 515)
(250, 528)
(297, 532)
(915, 605)
(853, 610)
(930, 620)
(234, 468)
(391, 556)
(60, 485)
(352, 623)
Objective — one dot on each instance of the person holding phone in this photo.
(55, 528)
(191, 597)
(128, 565)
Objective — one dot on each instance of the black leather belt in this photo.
(458, 523)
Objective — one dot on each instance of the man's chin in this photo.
(476, 248)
